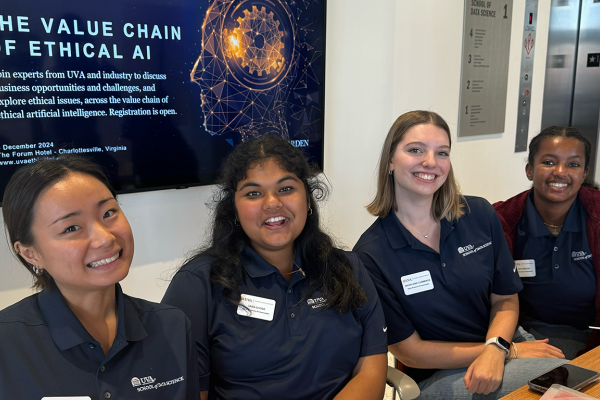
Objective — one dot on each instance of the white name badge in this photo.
(417, 283)
(525, 268)
(256, 307)
(68, 398)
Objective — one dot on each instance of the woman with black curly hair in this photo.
(277, 310)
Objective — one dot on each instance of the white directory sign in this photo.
(484, 75)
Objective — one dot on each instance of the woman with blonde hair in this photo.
(444, 273)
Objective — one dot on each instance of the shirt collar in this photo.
(67, 331)
(575, 221)
(63, 325)
(130, 326)
(536, 226)
(396, 233)
(257, 267)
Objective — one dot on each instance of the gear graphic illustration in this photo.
(257, 41)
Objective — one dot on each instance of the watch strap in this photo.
(495, 341)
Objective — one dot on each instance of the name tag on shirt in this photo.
(417, 283)
(256, 307)
(525, 268)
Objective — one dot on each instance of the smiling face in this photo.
(272, 207)
(81, 236)
(558, 170)
(421, 161)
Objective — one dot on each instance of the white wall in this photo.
(384, 57)
(397, 56)
(427, 76)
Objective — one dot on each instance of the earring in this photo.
(391, 172)
(37, 270)
(309, 210)
(236, 221)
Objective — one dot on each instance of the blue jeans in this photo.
(570, 340)
(448, 384)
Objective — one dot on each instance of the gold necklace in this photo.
(298, 270)
(555, 228)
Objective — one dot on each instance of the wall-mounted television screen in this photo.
(158, 91)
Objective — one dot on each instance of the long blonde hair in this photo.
(446, 200)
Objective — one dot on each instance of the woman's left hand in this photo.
(484, 375)
(538, 349)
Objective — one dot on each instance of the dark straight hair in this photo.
(22, 191)
(327, 268)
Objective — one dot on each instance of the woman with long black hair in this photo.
(277, 310)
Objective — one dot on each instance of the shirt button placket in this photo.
(555, 259)
(443, 271)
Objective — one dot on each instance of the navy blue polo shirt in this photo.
(46, 352)
(474, 262)
(563, 290)
(304, 352)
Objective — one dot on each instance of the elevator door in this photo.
(572, 86)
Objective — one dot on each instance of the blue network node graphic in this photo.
(259, 69)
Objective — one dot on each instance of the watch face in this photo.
(503, 343)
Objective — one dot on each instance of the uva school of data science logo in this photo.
(135, 382)
(465, 248)
(580, 255)
(471, 249)
(317, 302)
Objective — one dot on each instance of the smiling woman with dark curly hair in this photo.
(278, 311)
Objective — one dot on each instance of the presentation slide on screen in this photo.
(158, 92)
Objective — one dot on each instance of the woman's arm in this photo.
(418, 353)
(485, 366)
(368, 379)
(192, 294)
(484, 375)
(204, 395)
